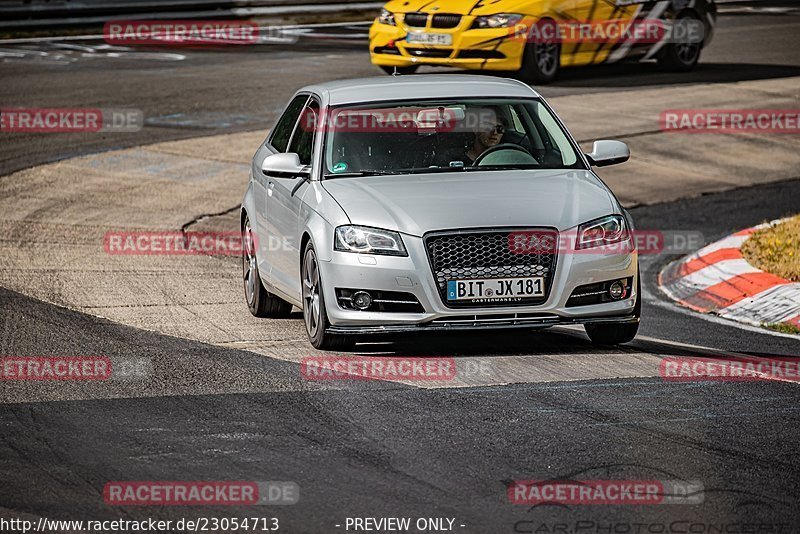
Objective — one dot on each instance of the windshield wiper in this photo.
(431, 170)
(356, 174)
(518, 167)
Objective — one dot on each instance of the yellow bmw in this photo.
(535, 38)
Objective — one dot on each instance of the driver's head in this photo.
(490, 128)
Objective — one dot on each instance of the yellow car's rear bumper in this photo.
(472, 49)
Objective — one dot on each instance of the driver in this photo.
(488, 132)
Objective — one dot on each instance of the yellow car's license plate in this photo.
(444, 39)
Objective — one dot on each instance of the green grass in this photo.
(783, 328)
(776, 249)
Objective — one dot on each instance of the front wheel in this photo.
(611, 333)
(617, 333)
(314, 312)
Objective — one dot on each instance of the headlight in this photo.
(386, 17)
(364, 240)
(603, 231)
(502, 20)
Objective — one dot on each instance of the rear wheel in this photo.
(681, 57)
(259, 300)
(314, 313)
(411, 69)
(541, 59)
(617, 333)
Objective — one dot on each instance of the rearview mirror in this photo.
(605, 153)
(431, 119)
(286, 165)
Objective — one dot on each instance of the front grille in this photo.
(445, 20)
(417, 20)
(430, 52)
(468, 255)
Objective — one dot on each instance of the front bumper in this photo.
(478, 323)
(472, 49)
(413, 275)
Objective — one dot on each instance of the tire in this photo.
(315, 315)
(541, 59)
(259, 300)
(402, 71)
(617, 333)
(680, 57)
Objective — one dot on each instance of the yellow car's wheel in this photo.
(542, 57)
(681, 57)
(401, 70)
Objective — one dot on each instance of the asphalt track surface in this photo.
(386, 449)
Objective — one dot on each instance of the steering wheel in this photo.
(503, 146)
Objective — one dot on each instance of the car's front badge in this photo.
(340, 167)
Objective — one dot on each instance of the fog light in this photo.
(617, 290)
(362, 300)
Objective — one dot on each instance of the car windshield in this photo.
(453, 136)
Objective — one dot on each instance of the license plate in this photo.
(444, 39)
(495, 289)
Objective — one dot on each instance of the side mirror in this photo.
(605, 153)
(284, 165)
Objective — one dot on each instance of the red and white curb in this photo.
(718, 280)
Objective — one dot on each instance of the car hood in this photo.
(461, 7)
(417, 204)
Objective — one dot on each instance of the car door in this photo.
(284, 199)
(597, 12)
(277, 142)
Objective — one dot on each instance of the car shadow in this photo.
(644, 74)
(520, 342)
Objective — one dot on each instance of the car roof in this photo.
(419, 86)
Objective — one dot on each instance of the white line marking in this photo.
(774, 305)
(671, 304)
(733, 241)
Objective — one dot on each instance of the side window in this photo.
(283, 130)
(557, 137)
(303, 138)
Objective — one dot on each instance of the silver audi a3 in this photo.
(425, 203)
